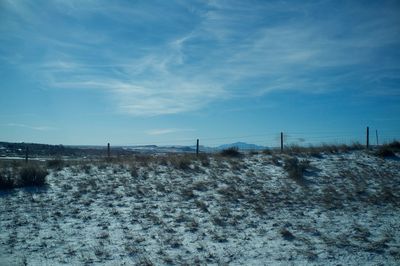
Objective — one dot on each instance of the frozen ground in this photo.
(213, 210)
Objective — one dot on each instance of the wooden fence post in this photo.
(108, 151)
(281, 141)
(367, 137)
(197, 148)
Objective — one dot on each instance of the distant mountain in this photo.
(192, 148)
(19, 149)
(241, 146)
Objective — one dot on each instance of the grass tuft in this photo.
(286, 234)
(6, 181)
(295, 168)
(32, 175)
(29, 175)
(56, 163)
(231, 152)
(388, 150)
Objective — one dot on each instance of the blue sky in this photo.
(168, 72)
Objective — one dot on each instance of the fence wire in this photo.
(290, 138)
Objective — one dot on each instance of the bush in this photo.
(32, 175)
(181, 162)
(134, 171)
(204, 159)
(56, 163)
(22, 176)
(356, 146)
(295, 168)
(295, 149)
(6, 182)
(184, 165)
(286, 234)
(394, 146)
(267, 151)
(231, 152)
(385, 151)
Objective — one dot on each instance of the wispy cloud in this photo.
(151, 64)
(164, 131)
(38, 128)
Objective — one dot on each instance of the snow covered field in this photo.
(174, 210)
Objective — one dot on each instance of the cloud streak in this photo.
(203, 52)
(164, 131)
(37, 128)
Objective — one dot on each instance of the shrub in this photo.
(356, 146)
(386, 151)
(295, 149)
(56, 163)
(204, 159)
(134, 171)
(87, 168)
(286, 234)
(267, 151)
(395, 146)
(143, 159)
(6, 182)
(32, 175)
(332, 148)
(187, 193)
(231, 152)
(184, 164)
(295, 168)
(253, 152)
(181, 162)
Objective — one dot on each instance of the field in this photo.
(261, 208)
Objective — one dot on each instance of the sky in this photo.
(162, 72)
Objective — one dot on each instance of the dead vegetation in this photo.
(388, 150)
(296, 168)
(22, 175)
(157, 205)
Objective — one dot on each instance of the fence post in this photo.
(197, 148)
(108, 151)
(376, 133)
(367, 137)
(281, 141)
(26, 154)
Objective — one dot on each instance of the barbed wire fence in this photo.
(369, 137)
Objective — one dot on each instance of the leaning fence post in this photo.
(108, 151)
(281, 141)
(197, 148)
(367, 137)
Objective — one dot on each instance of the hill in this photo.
(302, 209)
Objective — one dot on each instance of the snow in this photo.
(221, 211)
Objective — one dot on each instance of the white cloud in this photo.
(163, 131)
(38, 128)
(232, 49)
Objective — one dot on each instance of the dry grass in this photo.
(231, 152)
(6, 180)
(32, 175)
(388, 150)
(227, 197)
(56, 163)
(317, 151)
(22, 175)
(295, 168)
